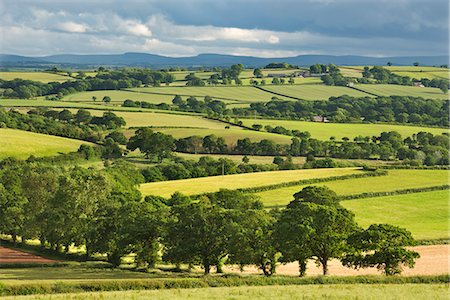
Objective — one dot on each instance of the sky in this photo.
(264, 28)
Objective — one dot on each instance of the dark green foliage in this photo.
(152, 144)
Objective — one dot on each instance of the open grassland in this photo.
(254, 159)
(214, 183)
(230, 135)
(35, 76)
(323, 131)
(395, 180)
(429, 75)
(424, 214)
(281, 292)
(313, 91)
(239, 93)
(403, 90)
(119, 96)
(351, 72)
(22, 144)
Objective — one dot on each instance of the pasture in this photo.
(237, 181)
(424, 214)
(21, 144)
(313, 91)
(118, 96)
(403, 90)
(323, 131)
(239, 93)
(395, 180)
(254, 159)
(230, 135)
(281, 292)
(35, 76)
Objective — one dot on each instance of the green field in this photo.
(419, 75)
(403, 90)
(230, 135)
(281, 292)
(239, 93)
(22, 144)
(214, 183)
(323, 131)
(395, 180)
(35, 76)
(424, 214)
(119, 96)
(314, 91)
(254, 159)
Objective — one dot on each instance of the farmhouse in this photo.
(320, 119)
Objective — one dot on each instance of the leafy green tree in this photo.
(118, 137)
(381, 246)
(152, 144)
(83, 116)
(257, 73)
(106, 99)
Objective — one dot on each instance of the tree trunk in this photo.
(207, 268)
(302, 267)
(219, 267)
(14, 238)
(23, 240)
(325, 266)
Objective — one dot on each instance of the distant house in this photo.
(309, 74)
(350, 84)
(320, 119)
(280, 75)
(418, 84)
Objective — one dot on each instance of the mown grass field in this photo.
(314, 91)
(395, 180)
(214, 183)
(323, 131)
(119, 96)
(239, 93)
(424, 214)
(22, 144)
(419, 75)
(281, 292)
(35, 76)
(403, 90)
(230, 135)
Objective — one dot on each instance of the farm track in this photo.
(8, 255)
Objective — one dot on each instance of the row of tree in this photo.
(104, 211)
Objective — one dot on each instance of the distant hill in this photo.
(207, 60)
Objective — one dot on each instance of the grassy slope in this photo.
(402, 90)
(314, 91)
(324, 131)
(22, 144)
(254, 159)
(118, 96)
(395, 180)
(281, 292)
(214, 183)
(245, 94)
(35, 76)
(424, 214)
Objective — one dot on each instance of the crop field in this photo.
(323, 131)
(230, 135)
(351, 72)
(403, 90)
(22, 144)
(424, 214)
(35, 76)
(236, 181)
(239, 93)
(119, 96)
(395, 180)
(314, 91)
(281, 292)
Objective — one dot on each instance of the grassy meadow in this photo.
(35, 76)
(313, 91)
(424, 214)
(236, 181)
(403, 90)
(21, 144)
(395, 180)
(281, 292)
(119, 96)
(323, 131)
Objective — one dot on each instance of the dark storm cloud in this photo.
(261, 28)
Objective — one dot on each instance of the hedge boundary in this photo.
(396, 192)
(205, 282)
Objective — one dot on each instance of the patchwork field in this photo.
(395, 180)
(22, 144)
(119, 96)
(323, 131)
(236, 181)
(239, 93)
(230, 135)
(254, 159)
(35, 76)
(314, 91)
(424, 214)
(403, 90)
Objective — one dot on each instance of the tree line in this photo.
(104, 211)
